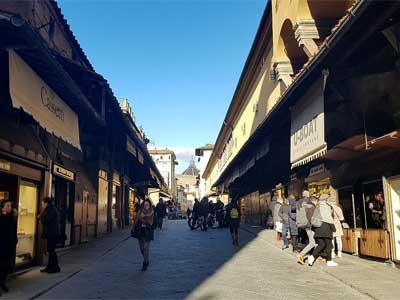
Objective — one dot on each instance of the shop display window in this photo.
(351, 209)
(374, 205)
(26, 228)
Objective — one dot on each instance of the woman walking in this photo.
(233, 213)
(8, 238)
(322, 222)
(143, 230)
(337, 221)
(51, 233)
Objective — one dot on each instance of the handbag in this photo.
(135, 231)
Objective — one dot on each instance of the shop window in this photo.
(352, 211)
(26, 227)
(374, 205)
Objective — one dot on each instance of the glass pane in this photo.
(346, 201)
(374, 205)
(27, 210)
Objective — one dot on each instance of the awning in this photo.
(359, 145)
(29, 92)
(31, 47)
(307, 133)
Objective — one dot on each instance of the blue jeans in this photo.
(285, 229)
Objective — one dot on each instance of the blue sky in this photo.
(178, 62)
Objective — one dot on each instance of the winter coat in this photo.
(284, 214)
(292, 217)
(145, 225)
(337, 220)
(324, 212)
(50, 221)
(277, 217)
(161, 210)
(8, 241)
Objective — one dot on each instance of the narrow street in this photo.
(202, 265)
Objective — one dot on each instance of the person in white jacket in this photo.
(338, 218)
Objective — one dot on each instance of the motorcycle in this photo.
(199, 223)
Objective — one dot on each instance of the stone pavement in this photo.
(203, 265)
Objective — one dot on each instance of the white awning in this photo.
(307, 140)
(29, 92)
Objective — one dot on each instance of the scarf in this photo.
(146, 216)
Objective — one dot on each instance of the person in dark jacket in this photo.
(51, 233)
(161, 212)
(145, 230)
(294, 231)
(220, 213)
(8, 238)
(233, 213)
(283, 214)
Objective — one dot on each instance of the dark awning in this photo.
(360, 145)
(22, 141)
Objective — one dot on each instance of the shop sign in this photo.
(307, 141)
(62, 172)
(29, 92)
(317, 170)
(5, 165)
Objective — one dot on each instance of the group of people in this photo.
(206, 208)
(9, 238)
(314, 220)
(228, 215)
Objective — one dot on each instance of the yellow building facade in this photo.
(290, 34)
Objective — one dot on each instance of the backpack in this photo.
(234, 214)
(301, 217)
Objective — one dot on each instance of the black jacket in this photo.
(161, 210)
(50, 222)
(8, 236)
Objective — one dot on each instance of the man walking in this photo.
(161, 211)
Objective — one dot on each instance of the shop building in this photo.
(63, 133)
(330, 122)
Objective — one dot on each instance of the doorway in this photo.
(63, 193)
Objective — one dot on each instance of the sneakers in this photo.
(310, 260)
(331, 263)
(300, 259)
(339, 254)
(285, 247)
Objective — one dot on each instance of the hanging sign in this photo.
(60, 171)
(307, 140)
